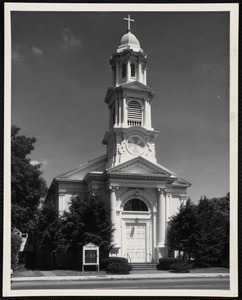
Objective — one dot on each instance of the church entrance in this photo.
(136, 242)
(136, 231)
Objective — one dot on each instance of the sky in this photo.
(61, 72)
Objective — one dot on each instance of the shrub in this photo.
(16, 241)
(202, 264)
(165, 263)
(181, 267)
(119, 268)
(107, 261)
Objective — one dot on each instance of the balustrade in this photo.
(134, 123)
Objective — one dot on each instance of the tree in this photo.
(180, 233)
(16, 241)
(202, 230)
(212, 229)
(48, 228)
(27, 184)
(88, 221)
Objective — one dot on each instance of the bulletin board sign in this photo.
(90, 255)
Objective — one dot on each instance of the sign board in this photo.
(90, 255)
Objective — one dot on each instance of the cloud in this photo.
(36, 162)
(70, 41)
(37, 51)
(17, 54)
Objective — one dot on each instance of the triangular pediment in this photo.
(137, 86)
(96, 165)
(140, 166)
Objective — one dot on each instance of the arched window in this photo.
(135, 205)
(134, 113)
(124, 69)
(132, 70)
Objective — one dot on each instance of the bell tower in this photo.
(129, 102)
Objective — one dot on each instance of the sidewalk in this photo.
(102, 275)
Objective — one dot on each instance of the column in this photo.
(117, 72)
(168, 201)
(112, 196)
(128, 70)
(145, 112)
(116, 113)
(139, 71)
(145, 79)
(154, 236)
(125, 124)
(119, 112)
(161, 218)
(148, 114)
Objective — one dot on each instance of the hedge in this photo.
(107, 261)
(118, 268)
(181, 267)
(165, 263)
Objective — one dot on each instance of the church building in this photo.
(142, 193)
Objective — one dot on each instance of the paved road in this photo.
(195, 283)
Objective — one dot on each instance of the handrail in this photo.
(129, 258)
(152, 258)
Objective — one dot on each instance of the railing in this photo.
(129, 258)
(152, 258)
(134, 123)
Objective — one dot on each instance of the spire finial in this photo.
(128, 19)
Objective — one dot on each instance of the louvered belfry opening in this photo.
(134, 113)
(132, 70)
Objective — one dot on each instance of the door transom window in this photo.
(135, 205)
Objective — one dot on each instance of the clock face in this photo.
(136, 144)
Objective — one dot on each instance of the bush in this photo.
(165, 263)
(118, 268)
(202, 264)
(109, 260)
(181, 267)
(16, 241)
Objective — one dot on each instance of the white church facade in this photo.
(142, 193)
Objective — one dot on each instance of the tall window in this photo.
(134, 113)
(135, 205)
(113, 115)
(124, 70)
(132, 70)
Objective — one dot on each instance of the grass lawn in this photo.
(23, 272)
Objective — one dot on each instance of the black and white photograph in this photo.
(120, 142)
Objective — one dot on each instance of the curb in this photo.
(117, 277)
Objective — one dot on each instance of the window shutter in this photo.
(134, 114)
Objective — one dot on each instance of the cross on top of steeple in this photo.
(128, 19)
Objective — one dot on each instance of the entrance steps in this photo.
(143, 266)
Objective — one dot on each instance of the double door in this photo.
(136, 242)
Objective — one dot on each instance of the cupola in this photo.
(128, 63)
(129, 41)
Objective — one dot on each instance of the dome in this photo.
(129, 41)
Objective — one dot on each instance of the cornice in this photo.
(137, 176)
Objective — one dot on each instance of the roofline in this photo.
(82, 166)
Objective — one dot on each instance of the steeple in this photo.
(130, 131)
(128, 62)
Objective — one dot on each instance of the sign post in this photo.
(90, 255)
